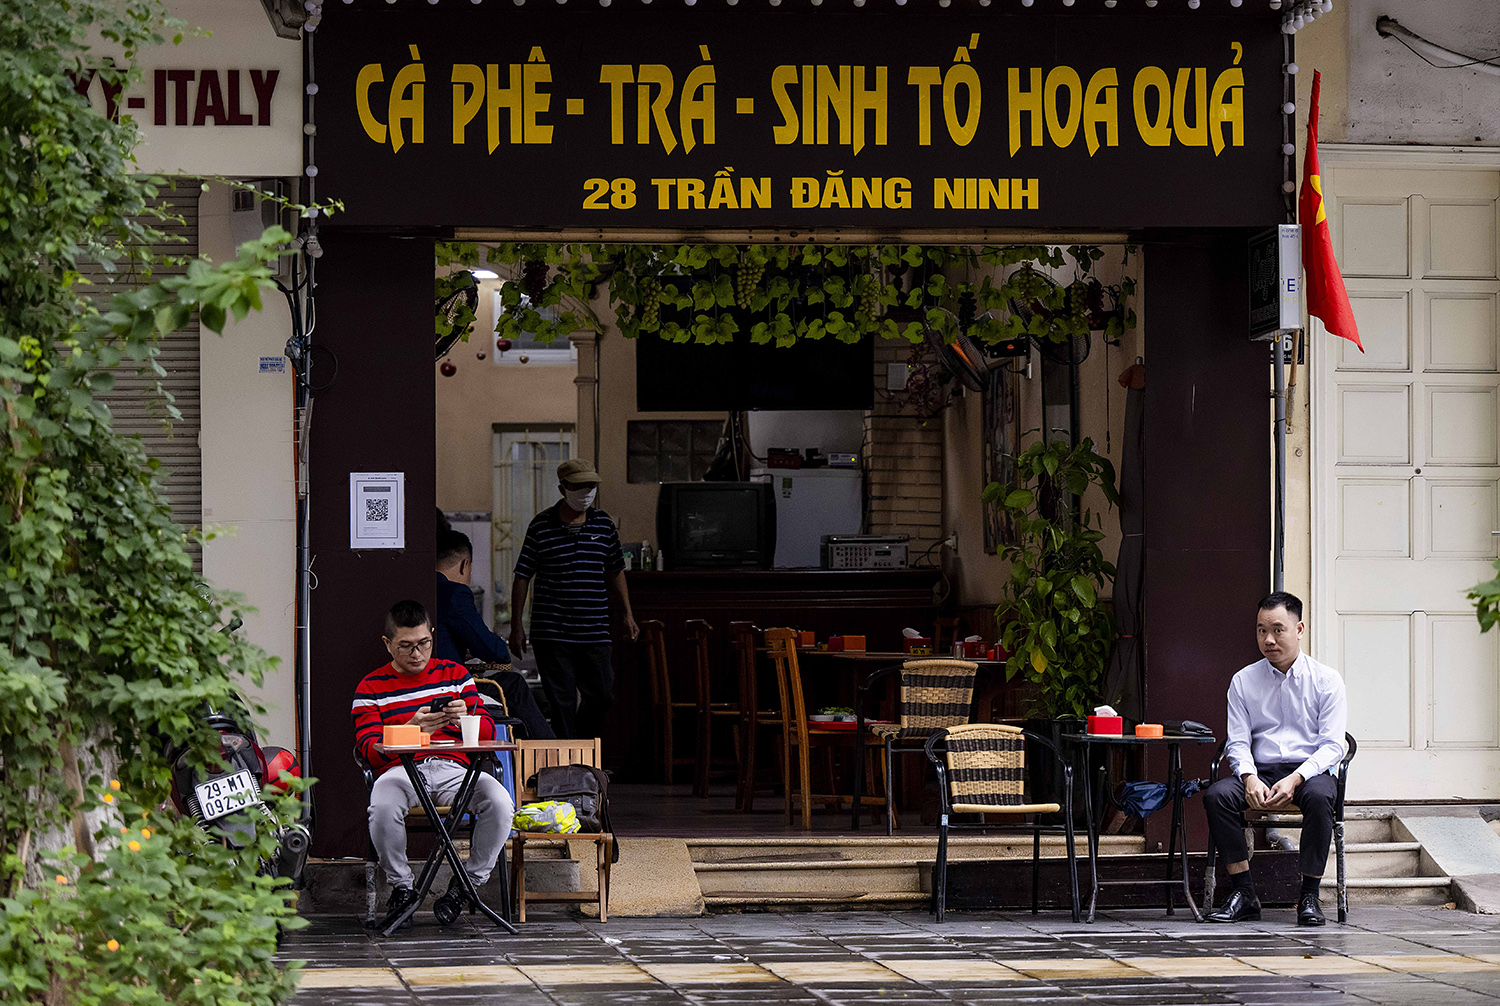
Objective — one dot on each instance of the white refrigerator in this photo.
(812, 502)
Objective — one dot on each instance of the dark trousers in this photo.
(580, 686)
(522, 705)
(1224, 802)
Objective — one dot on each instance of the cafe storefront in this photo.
(789, 124)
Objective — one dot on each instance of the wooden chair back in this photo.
(540, 754)
(782, 646)
(654, 645)
(944, 632)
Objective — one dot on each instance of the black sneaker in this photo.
(453, 903)
(401, 899)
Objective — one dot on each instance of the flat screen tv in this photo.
(716, 525)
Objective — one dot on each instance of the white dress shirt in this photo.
(1276, 718)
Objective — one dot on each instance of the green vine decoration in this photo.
(710, 294)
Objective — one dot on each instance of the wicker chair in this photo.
(935, 694)
(981, 769)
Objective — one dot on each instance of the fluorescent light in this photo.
(486, 274)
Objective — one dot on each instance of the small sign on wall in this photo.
(377, 509)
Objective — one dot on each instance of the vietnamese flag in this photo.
(1326, 297)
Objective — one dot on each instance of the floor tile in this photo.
(705, 973)
(345, 978)
(964, 970)
(831, 972)
(1321, 964)
(585, 974)
(479, 974)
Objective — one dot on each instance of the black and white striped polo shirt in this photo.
(567, 565)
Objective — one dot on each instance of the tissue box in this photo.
(806, 637)
(846, 643)
(918, 643)
(975, 648)
(404, 735)
(1112, 726)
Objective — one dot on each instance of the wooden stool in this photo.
(700, 634)
(663, 707)
(743, 637)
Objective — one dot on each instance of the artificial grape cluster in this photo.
(869, 301)
(534, 279)
(746, 279)
(650, 289)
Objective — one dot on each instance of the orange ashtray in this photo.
(426, 739)
(1148, 730)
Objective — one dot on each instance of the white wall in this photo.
(1396, 97)
(831, 430)
(248, 491)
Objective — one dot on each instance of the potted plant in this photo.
(1051, 621)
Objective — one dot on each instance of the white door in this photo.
(1407, 470)
(526, 460)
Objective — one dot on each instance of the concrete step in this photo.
(811, 870)
(1382, 859)
(1364, 830)
(1394, 890)
(900, 848)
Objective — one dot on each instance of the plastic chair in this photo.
(936, 693)
(1290, 818)
(981, 769)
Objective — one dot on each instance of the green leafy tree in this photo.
(109, 647)
(1052, 621)
(1486, 600)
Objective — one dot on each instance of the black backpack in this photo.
(583, 786)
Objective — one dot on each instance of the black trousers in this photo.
(580, 686)
(1224, 802)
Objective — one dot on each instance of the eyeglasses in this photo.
(407, 649)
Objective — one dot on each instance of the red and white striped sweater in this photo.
(386, 696)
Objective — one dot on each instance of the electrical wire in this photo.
(1472, 61)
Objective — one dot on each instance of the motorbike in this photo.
(227, 803)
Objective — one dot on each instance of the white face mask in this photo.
(580, 500)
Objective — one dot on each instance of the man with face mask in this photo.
(572, 551)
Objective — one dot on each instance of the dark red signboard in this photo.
(636, 117)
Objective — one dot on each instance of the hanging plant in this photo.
(710, 294)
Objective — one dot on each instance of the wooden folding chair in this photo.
(539, 754)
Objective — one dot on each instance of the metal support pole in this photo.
(1278, 368)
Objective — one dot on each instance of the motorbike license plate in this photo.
(226, 794)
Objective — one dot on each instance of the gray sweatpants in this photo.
(393, 796)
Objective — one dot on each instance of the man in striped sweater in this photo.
(572, 555)
(406, 691)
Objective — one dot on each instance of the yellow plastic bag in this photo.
(553, 816)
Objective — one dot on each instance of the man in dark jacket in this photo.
(460, 633)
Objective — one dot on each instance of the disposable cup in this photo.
(469, 727)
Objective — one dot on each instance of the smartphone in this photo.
(438, 704)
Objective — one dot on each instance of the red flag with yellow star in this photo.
(1326, 297)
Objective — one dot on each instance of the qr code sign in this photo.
(377, 510)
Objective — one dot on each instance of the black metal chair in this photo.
(1290, 818)
(936, 693)
(981, 769)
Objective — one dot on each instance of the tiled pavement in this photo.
(1385, 955)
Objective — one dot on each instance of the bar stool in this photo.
(700, 634)
(654, 642)
(797, 734)
(743, 637)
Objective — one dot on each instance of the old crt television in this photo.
(716, 525)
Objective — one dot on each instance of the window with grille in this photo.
(674, 450)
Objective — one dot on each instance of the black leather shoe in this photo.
(452, 904)
(1309, 912)
(401, 899)
(1240, 907)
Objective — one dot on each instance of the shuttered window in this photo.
(138, 412)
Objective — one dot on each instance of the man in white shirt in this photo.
(1287, 715)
